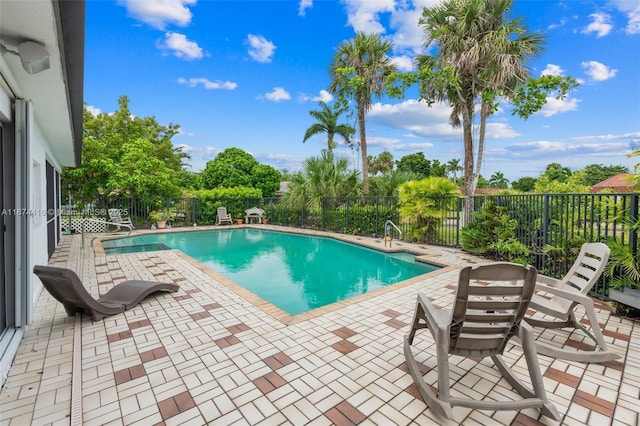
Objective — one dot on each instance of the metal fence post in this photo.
(633, 218)
(545, 227)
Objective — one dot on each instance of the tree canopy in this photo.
(415, 163)
(126, 155)
(596, 173)
(234, 167)
(383, 163)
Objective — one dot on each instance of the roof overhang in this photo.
(57, 92)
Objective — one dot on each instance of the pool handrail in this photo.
(387, 234)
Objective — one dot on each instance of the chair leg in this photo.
(440, 408)
(600, 354)
(531, 357)
(538, 395)
(416, 324)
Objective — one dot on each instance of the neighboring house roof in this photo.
(284, 187)
(623, 182)
(61, 87)
(488, 191)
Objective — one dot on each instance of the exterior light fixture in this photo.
(33, 55)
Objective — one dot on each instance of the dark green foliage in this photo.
(236, 200)
(415, 163)
(234, 167)
(493, 233)
(387, 185)
(524, 184)
(596, 173)
(126, 156)
(623, 266)
(363, 216)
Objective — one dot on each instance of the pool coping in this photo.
(268, 307)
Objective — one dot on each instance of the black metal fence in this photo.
(552, 225)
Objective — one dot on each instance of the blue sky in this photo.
(246, 73)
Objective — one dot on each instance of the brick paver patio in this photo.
(213, 353)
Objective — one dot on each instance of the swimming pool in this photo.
(294, 272)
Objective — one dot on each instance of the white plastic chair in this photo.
(488, 310)
(564, 297)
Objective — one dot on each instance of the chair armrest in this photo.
(568, 292)
(438, 317)
(549, 281)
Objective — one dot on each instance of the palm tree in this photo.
(328, 123)
(453, 167)
(497, 180)
(387, 184)
(323, 176)
(482, 55)
(359, 70)
(383, 163)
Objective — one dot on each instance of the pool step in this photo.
(404, 257)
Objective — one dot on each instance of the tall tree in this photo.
(555, 171)
(126, 155)
(481, 55)
(234, 167)
(328, 123)
(415, 163)
(359, 71)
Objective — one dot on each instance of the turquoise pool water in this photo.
(295, 272)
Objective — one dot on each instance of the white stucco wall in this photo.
(40, 151)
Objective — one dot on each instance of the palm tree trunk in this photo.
(363, 151)
(469, 182)
(484, 113)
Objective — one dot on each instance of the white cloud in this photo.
(403, 63)
(556, 106)
(280, 161)
(601, 25)
(303, 6)
(93, 110)
(260, 49)
(562, 23)
(408, 34)
(200, 155)
(160, 13)
(615, 146)
(278, 94)
(181, 47)
(552, 69)
(182, 132)
(208, 84)
(423, 121)
(401, 19)
(394, 144)
(632, 9)
(364, 15)
(598, 71)
(324, 96)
